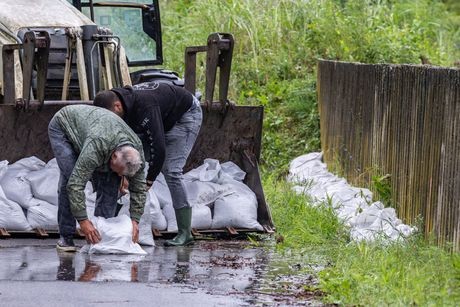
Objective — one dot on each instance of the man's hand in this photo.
(149, 184)
(124, 184)
(91, 233)
(135, 231)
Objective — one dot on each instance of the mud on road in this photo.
(237, 272)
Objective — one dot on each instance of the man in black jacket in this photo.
(167, 119)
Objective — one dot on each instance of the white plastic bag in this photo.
(156, 215)
(145, 222)
(45, 182)
(238, 209)
(207, 172)
(43, 215)
(204, 193)
(160, 187)
(116, 237)
(3, 168)
(11, 215)
(201, 217)
(170, 215)
(14, 184)
(233, 171)
(366, 222)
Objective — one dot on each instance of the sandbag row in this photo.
(367, 220)
(29, 198)
(216, 193)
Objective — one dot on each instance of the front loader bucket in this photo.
(232, 135)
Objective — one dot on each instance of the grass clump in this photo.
(413, 273)
(300, 224)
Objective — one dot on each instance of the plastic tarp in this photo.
(367, 220)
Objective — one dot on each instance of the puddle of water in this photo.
(258, 274)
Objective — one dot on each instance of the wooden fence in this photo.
(400, 120)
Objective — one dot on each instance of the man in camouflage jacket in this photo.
(93, 144)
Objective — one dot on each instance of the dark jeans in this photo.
(179, 142)
(105, 183)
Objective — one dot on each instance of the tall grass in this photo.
(413, 273)
(278, 43)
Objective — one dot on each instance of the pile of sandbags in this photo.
(217, 195)
(216, 192)
(17, 199)
(366, 219)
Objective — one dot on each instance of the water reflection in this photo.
(218, 266)
(66, 269)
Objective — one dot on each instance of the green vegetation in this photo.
(415, 273)
(278, 43)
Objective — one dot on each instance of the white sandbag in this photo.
(45, 182)
(366, 222)
(207, 172)
(170, 215)
(160, 187)
(116, 237)
(233, 171)
(350, 209)
(201, 217)
(303, 167)
(212, 171)
(145, 222)
(204, 193)
(43, 215)
(156, 215)
(367, 216)
(238, 209)
(340, 193)
(11, 215)
(14, 184)
(3, 168)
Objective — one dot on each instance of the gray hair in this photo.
(131, 158)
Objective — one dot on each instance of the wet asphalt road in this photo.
(210, 273)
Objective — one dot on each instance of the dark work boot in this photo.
(184, 225)
(66, 245)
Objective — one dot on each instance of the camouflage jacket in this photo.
(95, 133)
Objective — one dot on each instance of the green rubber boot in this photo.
(184, 225)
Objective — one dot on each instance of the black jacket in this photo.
(152, 112)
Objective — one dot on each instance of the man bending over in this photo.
(93, 144)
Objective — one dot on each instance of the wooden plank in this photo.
(195, 232)
(401, 120)
(232, 231)
(4, 233)
(156, 232)
(41, 233)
